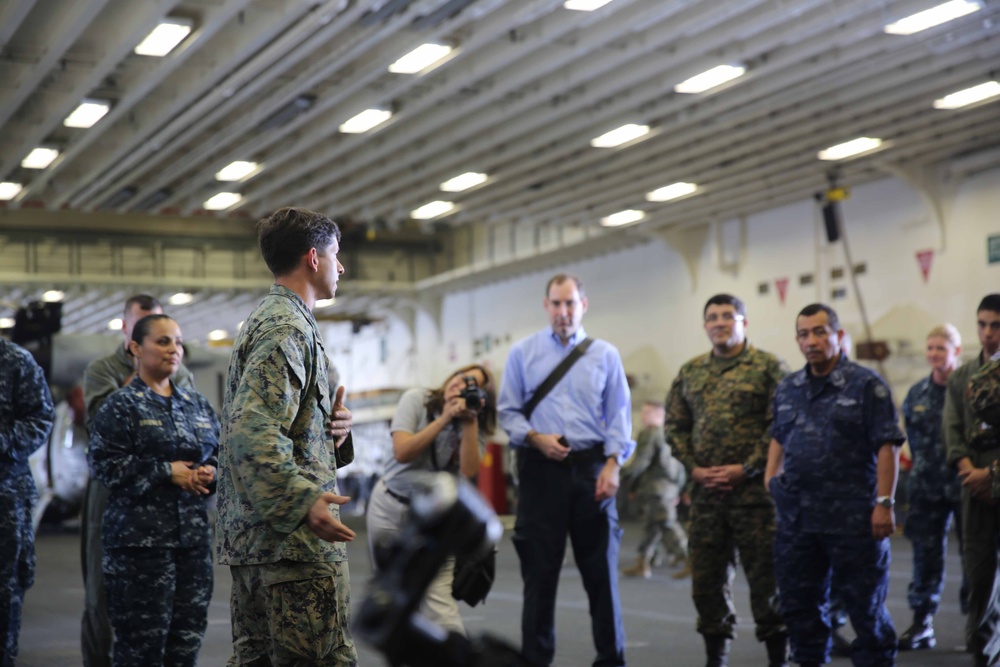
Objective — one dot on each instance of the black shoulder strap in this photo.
(556, 375)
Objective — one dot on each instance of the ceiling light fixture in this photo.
(39, 158)
(324, 303)
(710, 79)
(164, 37)
(432, 210)
(180, 299)
(673, 191)
(469, 179)
(964, 98)
(365, 121)
(6, 322)
(237, 171)
(222, 201)
(115, 324)
(9, 190)
(851, 148)
(623, 218)
(88, 113)
(420, 58)
(218, 334)
(619, 136)
(929, 18)
(585, 5)
(53, 296)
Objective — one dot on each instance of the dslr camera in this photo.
(475, 397)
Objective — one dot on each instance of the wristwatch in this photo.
(885, 501)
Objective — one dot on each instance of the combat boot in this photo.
(640, 569)
(717, 650)
(920, 635)
(777, 650)
(685, 572)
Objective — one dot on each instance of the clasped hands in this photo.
(719, 479)
(191, 478)
(342, 420)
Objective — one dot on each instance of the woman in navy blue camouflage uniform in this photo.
(155, 446)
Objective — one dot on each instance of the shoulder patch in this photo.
(881, 391)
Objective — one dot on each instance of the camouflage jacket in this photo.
(720, 414)
(135, 436)
(932, 479)
(962, 429)
(274, 462)
(26, 412)
(105, 375)
(652, 470)
(983, 397)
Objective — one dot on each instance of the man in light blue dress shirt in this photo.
(570, 453)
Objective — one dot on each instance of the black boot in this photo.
(717, 649)
(920, 635)
(777, 650)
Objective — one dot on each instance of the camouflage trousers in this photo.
(660, 525)
(289, 614)
(17, 559)
(158, 603)
(981, 529)
(927, 527)
(717, 534)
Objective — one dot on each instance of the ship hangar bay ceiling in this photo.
(529, 124)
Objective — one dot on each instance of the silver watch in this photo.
(885, 501)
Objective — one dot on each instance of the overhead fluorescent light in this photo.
(432, 210)
(6, 322)
(710, 79)
(365, 121)
(53, 296)
(9, 190)
(619, 136)
(115, 324)
(672, 191)
(623, 218)
(180, 299)
(88, 113)
(164, 37)
(237, 171)
(420, 58)
(40, 158)
(323, 303)
(585, 5)
(964, 98)
(218, 334)
(929, 18)
(469, 179)
(850, 148)
(222, 201)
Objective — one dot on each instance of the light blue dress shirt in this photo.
(590, 405)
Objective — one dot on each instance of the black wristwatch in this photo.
(885, 501)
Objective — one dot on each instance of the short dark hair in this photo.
(288, 233)
(990, 302)
(144, 301)
(726, 300)
(817, 308)
(560, 278)
(654, 404)
(142, 327)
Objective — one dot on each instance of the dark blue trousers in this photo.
(927, 527)
(557, 500)
(804, 565)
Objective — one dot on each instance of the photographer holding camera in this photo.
(433, 430)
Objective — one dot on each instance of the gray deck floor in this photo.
(659, 615)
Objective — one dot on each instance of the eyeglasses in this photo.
(725, 317)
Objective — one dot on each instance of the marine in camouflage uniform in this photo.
(26, 417)
(836, 434)
(157, 541)
(972, 445)
(291, 596)
(718, 417)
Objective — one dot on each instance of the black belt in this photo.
(401, 498)
(576, 457)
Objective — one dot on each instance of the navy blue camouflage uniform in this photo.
(157, 544)
(831, 430)
(26, 417)
(935, 494)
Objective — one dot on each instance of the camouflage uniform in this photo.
(26, 417)
(157, 541)
(971, 430)
(656, 478)
(274, 464)
(935, 495)
(719, 413)
(102, 378)
(831, 430)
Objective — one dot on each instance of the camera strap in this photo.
(556, 375)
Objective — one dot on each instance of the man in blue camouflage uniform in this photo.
(935, 493)
(279, 525)
(831, 470)
(26, 417)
